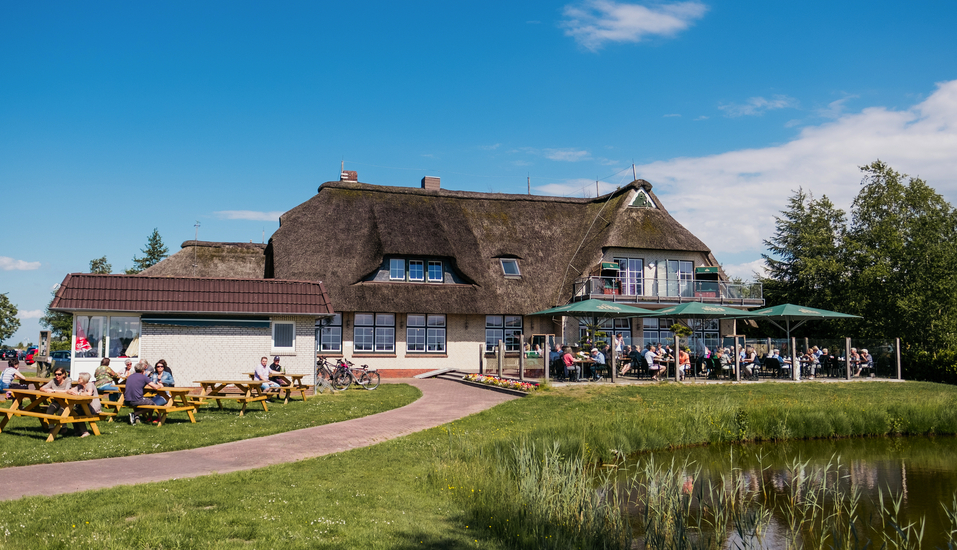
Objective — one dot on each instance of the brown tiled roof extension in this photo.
(145, 294)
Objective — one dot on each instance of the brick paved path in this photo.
(442, 401)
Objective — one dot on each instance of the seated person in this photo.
(635, 363)
(262, 374)
(726, 360)
(275, 369)
(653, 366)
(127, 371)
(598, 364)
(747, 364)
(85, 387)
(162, 376)
(684, 362)
(133, 395)
(11, 373)
(61, 383)
(865, 361)
(572, 371)
(105, 378)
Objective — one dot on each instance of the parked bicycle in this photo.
(344, 373)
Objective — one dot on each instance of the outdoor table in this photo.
(38, 381)
(249, 392)
(294, 384)
(179, 401)
(38, 402)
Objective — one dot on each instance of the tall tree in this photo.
(60, 324)
(804, 259)
(9, 323)
(100, 265)
(902, 247)
(154, 252)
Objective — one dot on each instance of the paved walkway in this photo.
(442, 401)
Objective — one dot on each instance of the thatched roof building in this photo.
(212, 259)
(346, 234)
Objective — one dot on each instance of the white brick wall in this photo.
(221, 353)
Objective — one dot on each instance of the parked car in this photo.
(61, 359)
(8, 354)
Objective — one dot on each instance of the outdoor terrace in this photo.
(667, 291)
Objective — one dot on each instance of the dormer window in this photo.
(510, 267)
(397, 269)
(412, 270)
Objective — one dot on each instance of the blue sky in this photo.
(118, 117)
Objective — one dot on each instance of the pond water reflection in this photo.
(799, 494)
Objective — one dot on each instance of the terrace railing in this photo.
(660, 290)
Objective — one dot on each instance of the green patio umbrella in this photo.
(790, 313)
(697, 310)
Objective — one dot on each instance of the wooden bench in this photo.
(249, 391)
(288, 390)
(170, 407)
(39, 399)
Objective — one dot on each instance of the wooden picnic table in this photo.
(249, 392)
(294, 384)
(179, 401)
(38, 381)
(37, 409)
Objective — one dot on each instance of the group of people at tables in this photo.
(137, 379)
(658, 357)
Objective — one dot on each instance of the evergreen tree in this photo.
(9, 323)
(60, 324)
(154, 252)
(100, 265)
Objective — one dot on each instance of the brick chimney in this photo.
(430, 182)
(349, 175)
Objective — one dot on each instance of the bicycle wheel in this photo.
(342, 380)
(369, 380)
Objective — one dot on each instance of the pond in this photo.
(850, 493)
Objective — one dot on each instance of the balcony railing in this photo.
(666, 291)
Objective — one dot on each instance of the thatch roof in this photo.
(342, 235)
(212, 259)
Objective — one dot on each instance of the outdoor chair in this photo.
(772, 367)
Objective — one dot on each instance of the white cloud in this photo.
(836, 108)
(748, 271)
(490, 147)
(671, 115)
(31, 314)
(730, 199)
(568, 155)
(702, 117)
(597, 22)
(249, 215)
(11, 264)
(758, 106)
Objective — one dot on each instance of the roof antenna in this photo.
(529, 184)
(195, 245)
(634, 171)
(596, 189)
(264, 235)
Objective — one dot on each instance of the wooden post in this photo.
(677, 349)
(501, 357)
(897, 350)
(847, 356)
(481, 358)
(795, 362)
(546, 356)
(613, 364)
(521, 361)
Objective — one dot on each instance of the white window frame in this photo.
(513, 262)
(441, 276)
(325, 333)
(394, 265)
(272, 329)
(421, 265)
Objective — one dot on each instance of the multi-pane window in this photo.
(435, 272)
(396, 269)
(507, 328)
(329, 334)
(416, 270)
(90, 340)
(425, 333)
(631, 273)
(657, 331)
(680, 278)
(283, 335)
(374, 332)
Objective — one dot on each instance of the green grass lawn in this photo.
(23, 440)
(457, 486)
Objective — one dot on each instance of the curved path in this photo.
(442, 401)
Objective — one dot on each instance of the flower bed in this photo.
(501, 382)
